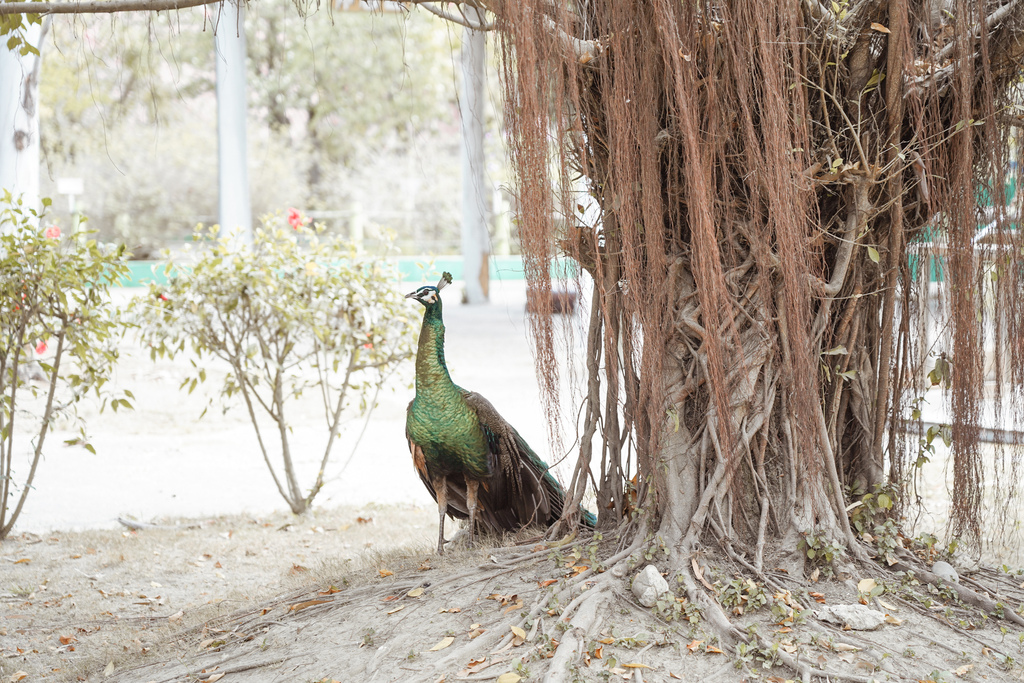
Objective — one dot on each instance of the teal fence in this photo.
(412, 268)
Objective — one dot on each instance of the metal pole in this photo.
(474, 226)
(234, 207)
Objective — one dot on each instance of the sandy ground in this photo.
(220, 573)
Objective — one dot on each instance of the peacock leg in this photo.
(441, 489)
(471, 487)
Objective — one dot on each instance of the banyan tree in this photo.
(777, 184)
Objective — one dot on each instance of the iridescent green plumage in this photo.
(473, 462)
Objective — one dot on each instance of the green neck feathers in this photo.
(431, 369)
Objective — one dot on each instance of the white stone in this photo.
(945, 571)
(649, 585)
(857, 617)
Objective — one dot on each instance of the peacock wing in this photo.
(521, 490)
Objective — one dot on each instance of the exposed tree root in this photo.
(563, 622)
(581, 627)
(967, 595)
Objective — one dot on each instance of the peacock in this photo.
(473, 462)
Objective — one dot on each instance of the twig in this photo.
(229, 670)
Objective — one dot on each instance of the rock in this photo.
(945, 571)
(857, 617)
(620, 569)
(648, 585)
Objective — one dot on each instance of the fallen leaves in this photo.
(509, 678)
(307, 603)
(212, 643)
(519, 636)
(384, 573)
(17, 676)
(475, 666)
(397, 609)
(444, 642)
(415, 592)
(503, 599)
(699, 573)
(176, 616)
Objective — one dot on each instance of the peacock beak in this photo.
(410, 295)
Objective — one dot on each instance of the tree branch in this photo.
(460, 19)
(99, 6)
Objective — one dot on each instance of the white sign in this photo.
(70, 186)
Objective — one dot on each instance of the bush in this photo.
(58, 334)
(296, 310)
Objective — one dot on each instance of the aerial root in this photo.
(967, 595)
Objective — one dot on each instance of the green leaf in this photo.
(873, 254)
(836, 351)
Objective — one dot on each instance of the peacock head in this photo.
(429, 295)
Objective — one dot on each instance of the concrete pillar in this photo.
(474, 212)
(234, 204)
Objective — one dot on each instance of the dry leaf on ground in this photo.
(445, 642)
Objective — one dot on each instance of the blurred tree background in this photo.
(353, 118)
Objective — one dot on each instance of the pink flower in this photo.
(295, 218)
(40, 348)
(52, 232)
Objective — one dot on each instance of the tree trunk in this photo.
(19, 117)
